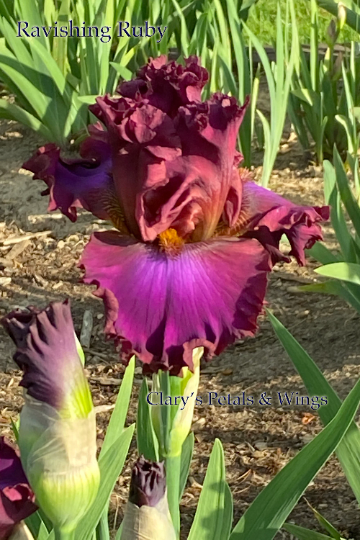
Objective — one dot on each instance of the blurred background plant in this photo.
(324, 95)
(53, 80)
(342, 193)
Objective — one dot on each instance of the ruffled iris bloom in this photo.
(16, 496)
(194, 238)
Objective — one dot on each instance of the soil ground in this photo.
(258, 441)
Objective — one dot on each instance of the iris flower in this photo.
(195, 239)
(16, 497)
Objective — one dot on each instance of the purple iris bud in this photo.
(195, 239)
(57, 434)
(148, 483)
(16, 497)
(147, 512)
(47, 352)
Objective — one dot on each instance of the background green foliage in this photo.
(262, 21)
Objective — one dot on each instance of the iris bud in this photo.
(182, 419)
(147, 515)
(57, 434)
(341, 16)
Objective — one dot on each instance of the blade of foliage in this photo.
(59, 51)
(348, 450)
(337, 216)
(118, 417)
(270, 509)
(212, 519)
(147, 442)
(325, 523)
(322, 254)
(111, 464)
(11, 111)
(304, 534)
(186, 456)
(336, 288)
(115, 428)
(344, 271)
(346, 194)
(37, 527)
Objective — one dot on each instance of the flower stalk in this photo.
(172, 423)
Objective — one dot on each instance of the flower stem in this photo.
(173, 466)
(64, 535)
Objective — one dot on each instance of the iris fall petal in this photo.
(163, 306)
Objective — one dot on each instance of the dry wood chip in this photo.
(17, 249)
(40, 280)
(106, 381)
(17, 239)
(103, 408)
(86, 329)
(5, 263)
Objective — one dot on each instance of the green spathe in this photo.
(59, 457)
(148, 522)
(182, 414)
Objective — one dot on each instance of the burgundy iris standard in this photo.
(195, 238)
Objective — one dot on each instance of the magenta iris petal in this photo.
(78, 183)
(267, 216)
(162, 307)
(16, 497)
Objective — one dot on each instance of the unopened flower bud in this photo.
(181, 425)
(147, 515)
(331, 34)
(183, 417)
(341, 16)
(57, 434)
